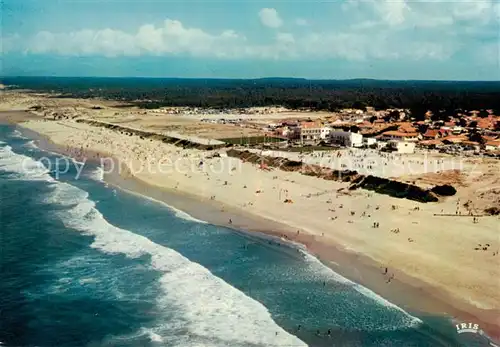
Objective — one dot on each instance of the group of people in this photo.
(372, 161)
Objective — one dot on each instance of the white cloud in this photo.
(286, 38)
(171, 38)
(301, 22)
(270, 18)
(388, 35)
(392, 12)
(472, 10)
(421, 13)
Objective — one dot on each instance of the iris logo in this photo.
(474, 329)
(468, 328)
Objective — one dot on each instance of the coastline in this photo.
(355, 266)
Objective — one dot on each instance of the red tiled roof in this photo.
(486, 123)
(431, 133)
(471, 143)
(454, 139)
(489, 138)
(400, 134)
(309, 125)
(407, 127)
(430, 142)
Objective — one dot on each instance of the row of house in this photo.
(334, 134)
(403, 137)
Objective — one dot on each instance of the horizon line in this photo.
(253, 78)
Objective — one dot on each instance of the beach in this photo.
(434, 255)
(393, 246)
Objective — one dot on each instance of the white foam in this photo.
(87, 280)
(322, 269)
(185, 216)
(16, 134)
(31, 144)
(178, 213)
(23, 167)
(210, 312)
(96, 175)
(153, 336)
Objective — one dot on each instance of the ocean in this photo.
(87, 264)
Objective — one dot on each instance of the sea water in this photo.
(85, 264)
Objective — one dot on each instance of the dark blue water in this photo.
(84, 264)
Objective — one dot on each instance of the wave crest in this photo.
(209, 309)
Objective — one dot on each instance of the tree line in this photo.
(444, 97)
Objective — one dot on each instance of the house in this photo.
(492, 145)
(291, 132)
(431, 143)
(487, 123)
(407, 127)
(325, 132)
(470, 145)
(398, 136)
(404, 147)
(346, 138)
(452, 139)
(444, 132)
(431, 134)
(489, 138)
(310, 131)
(369, 141)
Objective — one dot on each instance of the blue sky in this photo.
(384, 39)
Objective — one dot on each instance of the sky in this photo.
(336, 39)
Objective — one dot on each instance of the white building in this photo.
(398, 136)
(493, 145)
(369, 141)
(346, 138)
(325, 132)
(404, 147)
(310, 131)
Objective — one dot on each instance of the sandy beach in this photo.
(392, 246)
(437, 251)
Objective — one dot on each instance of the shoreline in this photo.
(354, 266)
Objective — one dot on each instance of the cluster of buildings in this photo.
(235, 121)
(476, 131)
(340, 134)
(470, 133)
(219, 111)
